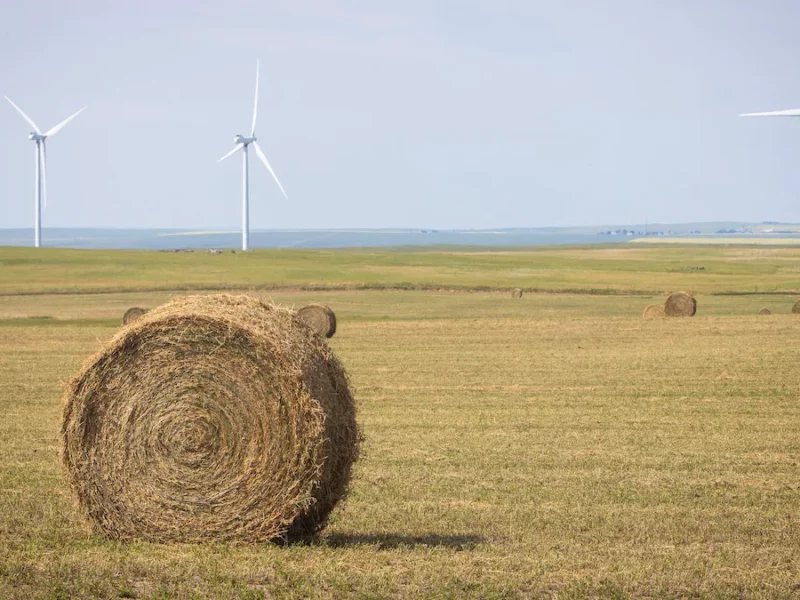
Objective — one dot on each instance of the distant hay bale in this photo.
(516, 293)
(680, 304)
(765, 311)
(653, 311)
(216, 418)
(132, 314)
(796, 307)
(320, 318)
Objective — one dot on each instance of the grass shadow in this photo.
(391, 541)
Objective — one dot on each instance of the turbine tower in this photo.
(242, 143)
(40, 193)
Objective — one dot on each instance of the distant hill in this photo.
(174, 239)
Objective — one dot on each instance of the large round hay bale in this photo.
(216, 418)
(653, 311)
(132, 314)
(516, 293)
(680, 304)
(765, 311)
(320, 318)
(796, 307)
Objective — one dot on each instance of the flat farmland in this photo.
(621, 269)
(557, 445)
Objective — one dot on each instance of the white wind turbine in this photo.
(41, 166)
(241, 144)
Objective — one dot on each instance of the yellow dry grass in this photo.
(558, 446)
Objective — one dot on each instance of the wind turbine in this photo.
(242, 144)
(41, 166)
(793, 112)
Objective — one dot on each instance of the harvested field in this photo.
(561, 446)
(597, 270)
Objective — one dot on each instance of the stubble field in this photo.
(557, 445)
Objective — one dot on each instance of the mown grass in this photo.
(553, 446)
(609, 269)
(45, 310)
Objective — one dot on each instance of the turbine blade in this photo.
(43, 151)
(255, 105)
(794, 112)
(24, 116)
(60, 126)
(237, 147)
(266, 164)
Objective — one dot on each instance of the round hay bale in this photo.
(765, 311)
(796, 307)
(320, 318)
(680, 304)
(217, 418)
(653, 311)
(132, 314)
(516, 293)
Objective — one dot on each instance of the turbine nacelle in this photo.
(37, 137)
(244, 141)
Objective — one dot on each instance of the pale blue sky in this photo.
(406, 114)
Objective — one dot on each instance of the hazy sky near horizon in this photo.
(443, 114)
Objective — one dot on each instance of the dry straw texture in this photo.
(516, 293)
(765, 311)
(132, 314)
(320, 318)
(680, 304)
(653, 311)
(796, 307)
(212, 418)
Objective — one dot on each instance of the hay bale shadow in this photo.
(391, 541)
